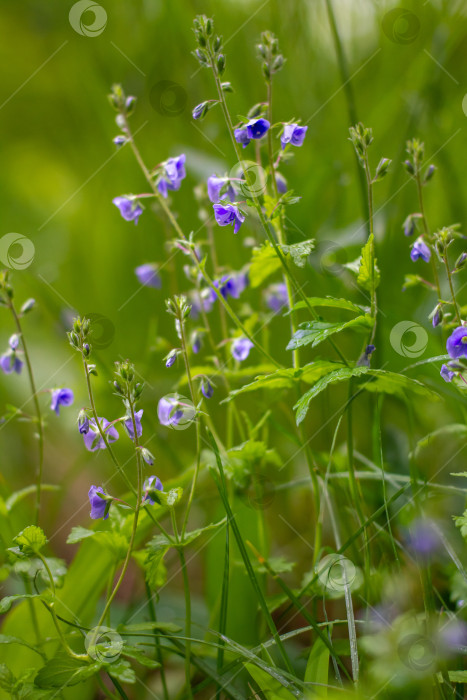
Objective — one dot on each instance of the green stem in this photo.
(451, 287)
(40, 428)
(186, 588)
(157, 644)
(427, 231)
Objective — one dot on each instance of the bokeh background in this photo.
(407, 63)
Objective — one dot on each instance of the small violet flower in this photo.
(148, 276)
(232, 285)
(128, 423)
(281, 183)
(173, 174)
(93, 440)
(207, 388)
(446, 373)
(241, 348)
(276, 296)
(83, 422)
(170, 359)
(254, 129)
(129, 208)
(9, 361)
(293, 134)
(215, 185)
(119, 141)
(229, 214)
(420, 250)
(169, 412)
(456, 344)
(61, 397)
(152, 483)
(98, 504)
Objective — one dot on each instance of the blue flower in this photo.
(83, 422)
(129, 208)
(254, 129)
(61, 397)
(228, 214)
(170, 359)
(281, 183)
(119, 141)
(232, 285)
(169, 412)
(152, 483)
(207, 388)
(420, 250)
(203, 301)
(423, 538)
(199, 111)
(215, 185)
(241, 348)
(456, 344)
(128, 423)
(93, 440)
(98, 504)
(276, 296)
(9, 361)
(446, 373)
(293, 134)
(148, 276)
(172, 175)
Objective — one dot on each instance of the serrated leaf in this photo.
(331, 302)
(365, 278)
(133, 652)
(62, 671)
(31, 540)
(340, 375)
(121, 670)
(78, 534)
(264, 263)
(7, 679)
(299, 252)
(315, 332)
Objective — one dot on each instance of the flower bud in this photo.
(221, 63)
(147, 456)
(429, 174)
(409, 167)
(27, 306)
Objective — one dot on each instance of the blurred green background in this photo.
(60, 171)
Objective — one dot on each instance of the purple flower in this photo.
(232, 285)
(423, 538)
(10, 362)
(293, 134)
(199, 111)
(281, 183)
(128, 423)
(61, 397)
(446, 373)
(254, 129)
(196, 342)
(207, 388)
(130, 209)
(215, 185)
(173, 174)
(228, 214)
(98, 504)
(241, 348)
(456, 345)
(202, 302)
(152, 483)
(170, 359)
(13, 342)
(119, 141)
(93, 440)
(148, 276)
(276, 297)
(83, 422)
(420, 250)
(168, 411)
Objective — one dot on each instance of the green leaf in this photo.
(264, 263)
(154, 567)
(299, 252)
(78, 534)
(365, 278)
(317, 668)
(272, 689)
(121, 670)
(167, 498)
(19, 495)
(62, 670)
(315, 332)
(31, 540)
(7, 602)
(133, 652)
(331, 302)
(339, 375)
(7, 679)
